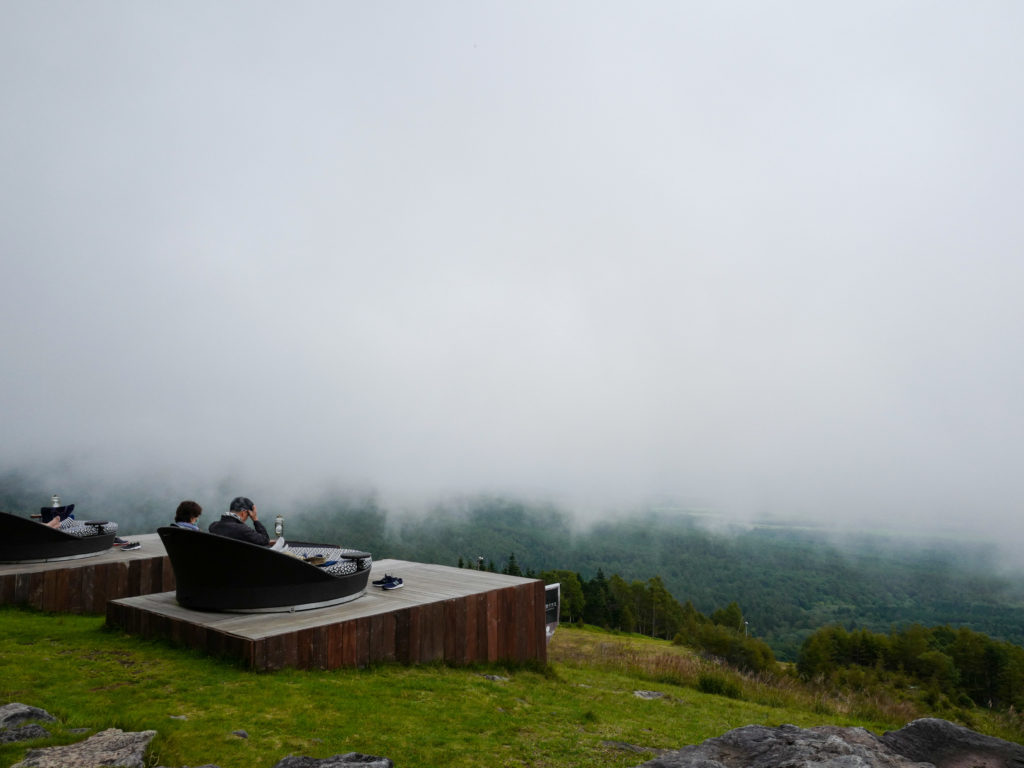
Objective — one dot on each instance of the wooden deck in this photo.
(458, 616)
(87, 584)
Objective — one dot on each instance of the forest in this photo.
(953, 666)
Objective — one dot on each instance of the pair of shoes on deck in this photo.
(388, 582)
(124, 545)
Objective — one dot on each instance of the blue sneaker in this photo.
(393, 584)
(385, 581)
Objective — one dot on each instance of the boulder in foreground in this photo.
(921, 744)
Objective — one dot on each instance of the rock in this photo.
(650, 695)
(240, 734)
(23, 733)
(948, 745)
(12, 717)
(921, 744)
(348, 760)
(16, 714)
(107, 748)
(757, 746)
(115, 747)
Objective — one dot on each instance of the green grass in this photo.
(562, 715)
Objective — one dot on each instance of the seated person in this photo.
(55, 514)
(63, 518)
(59, 517)
(186, 514)
(233, 524)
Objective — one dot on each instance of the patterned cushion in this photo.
(80, 529)
(335, 560)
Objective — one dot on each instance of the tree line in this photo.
(955, 666)
(648, 608)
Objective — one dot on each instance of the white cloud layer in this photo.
(764, 257)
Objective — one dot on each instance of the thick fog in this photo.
(761, 258)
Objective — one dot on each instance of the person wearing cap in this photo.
(186, 514)
(232, 525)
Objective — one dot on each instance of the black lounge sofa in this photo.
(23, 540)
(216, 573)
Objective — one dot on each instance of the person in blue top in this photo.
(186, 514)
(233, 524)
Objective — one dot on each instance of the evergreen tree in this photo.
(625, 618)
(666, 613)
(595, 609)
(511, 566)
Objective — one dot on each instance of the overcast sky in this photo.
(763, 257)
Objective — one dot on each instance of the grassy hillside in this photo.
(579, 711)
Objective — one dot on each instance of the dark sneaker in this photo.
(393, 584)
(382, 582)
(130, 545)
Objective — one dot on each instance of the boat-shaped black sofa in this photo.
(216, 573)
(24, 540)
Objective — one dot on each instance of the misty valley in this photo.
(788, 581)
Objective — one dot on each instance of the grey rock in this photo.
(650, 695)
(921, 744)
(348, 760)
(107, 748)
(15, 714)
(948, 745)
(23, 733)
(241, 734)
(758, 746)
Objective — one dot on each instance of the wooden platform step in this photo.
(455, 615)
(86, 585)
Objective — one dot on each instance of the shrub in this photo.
(719, 686)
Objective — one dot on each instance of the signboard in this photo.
(552, 604)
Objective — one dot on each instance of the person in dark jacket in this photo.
(233, 524)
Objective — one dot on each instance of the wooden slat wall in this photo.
(505, 624)
(85, 587)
